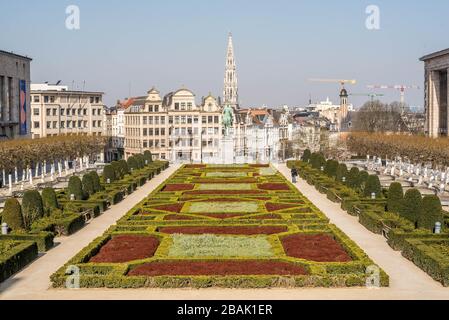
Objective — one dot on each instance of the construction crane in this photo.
(401, 88)
(340, 81)
(371, 95)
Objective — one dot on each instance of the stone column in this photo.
(433, 104)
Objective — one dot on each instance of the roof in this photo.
(15, 55)
(68, 92)
(435, 55)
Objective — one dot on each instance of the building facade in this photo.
(115, 133)
(436, 93)
(56, 110)
(174, 127)
(15, 115)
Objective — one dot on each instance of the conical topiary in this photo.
(32, 208)
(431, 213)
(331, 168)
(361, 180)
(96, 181)
(352, 179)
(49, 200)
(342, 172)
(411, 205)
(12, 214)
(88, 184)
(109, 174)
(372, 185)
(395, 197)
(124, 167)
(306, 155)
(76, 188)
(148, 157)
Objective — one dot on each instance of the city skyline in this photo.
(273, 66)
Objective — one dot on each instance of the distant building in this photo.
(336, 114)
(173, 128)
(115, 132)
(57, 110)
(436, 93)
(15, 115)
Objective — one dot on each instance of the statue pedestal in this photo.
(227, 150)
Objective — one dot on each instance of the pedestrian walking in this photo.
(294, 174)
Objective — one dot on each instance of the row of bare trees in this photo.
(375, 116)
(30, 152)
(417, 149)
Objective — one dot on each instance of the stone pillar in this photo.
(433, 111)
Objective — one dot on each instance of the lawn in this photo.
(240, 226)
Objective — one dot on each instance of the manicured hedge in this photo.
(17, 258)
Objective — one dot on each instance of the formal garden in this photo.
(31, 223)
(239, 226)
(413, 223)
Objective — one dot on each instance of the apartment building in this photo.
(14, 95)
(56, 110)
(174, 127)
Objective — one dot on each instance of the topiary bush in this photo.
(306, 155)
(331, 168)
(431, 213)
(96, 181)
(32, 208)
(352, 180)
(372, 185)
(140, 160)
(88, 184)
(76, 188)
(109, 173)
(12, 215)
(317, 161)
(133, 163)
(395, 197)
(49, 200)
(342, 172)
(117, 170)
(148, 157)
(361, 180)
(124, 167)
(411, 205)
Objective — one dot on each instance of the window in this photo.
(94, 123)
(62, 124)
(189, 105)
(93, 111)
(62, 112)
(145, 144)
(150, 108)
(85, 112)
(97, 100)
(46, 99)
(177, 106)
(36, 111)
(156, 108)
(163, 120)
(204, 120)
(216, 119)
(144, 120)
(145, 132)
(156, 120)
(163, 132)
(73, 112)
(55, 112)
(91, 100)
(36, 124)
(150, 120)
(170, 120)
(55, 124)
(150, 132)
(48, 124)
(99, 123)
(183, 105)
(36, 99)
(52, 99)
(156, 132)
(210, 119)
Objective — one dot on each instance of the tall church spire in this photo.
(230, 91)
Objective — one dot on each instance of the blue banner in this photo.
(23, 107)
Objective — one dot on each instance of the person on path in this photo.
(294, 174)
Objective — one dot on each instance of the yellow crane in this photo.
(342, 82)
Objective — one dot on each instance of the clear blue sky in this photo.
(279, 45)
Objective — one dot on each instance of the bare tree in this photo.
(375, 116)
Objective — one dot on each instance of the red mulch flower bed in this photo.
(175, 207)
(126, 248)
(217, 268)
(274, 186)
(223, 192)
(179, 187)
(319, 248)
(221, 215)
(177, 217)
(220, 181)
(237, 230)
(278, 206)
(267, 217)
